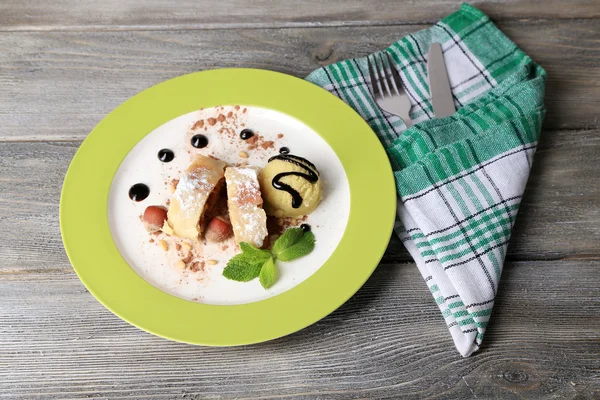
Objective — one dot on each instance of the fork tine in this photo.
(376, 91)
(387, 81)
(397, 80)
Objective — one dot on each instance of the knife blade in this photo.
(439, 85)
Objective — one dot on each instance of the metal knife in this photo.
(439, 85)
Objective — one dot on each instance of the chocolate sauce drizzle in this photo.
(310, 176)
(139, 192)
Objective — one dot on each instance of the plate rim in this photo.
(104, 272)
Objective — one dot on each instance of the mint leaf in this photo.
(253, 253)
(256, 263)
(242, 268)
(296, 245)
(267, 273)
(288, 239)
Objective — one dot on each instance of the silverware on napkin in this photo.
(387, 88)
(439, 85)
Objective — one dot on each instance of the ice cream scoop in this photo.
(290, 186)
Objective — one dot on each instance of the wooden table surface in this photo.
(65, 64)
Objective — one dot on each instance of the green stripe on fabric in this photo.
(482, 313)
(412, 180)
(463, 19)
(483, 243)
(474, 239)
(471, 321)
(498, 211)
(471, 88)
(495, 263)
(484, 191)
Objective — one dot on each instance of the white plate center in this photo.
(208, 286)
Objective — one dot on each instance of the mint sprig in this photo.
(256, 263)
(294, 245)
(267, 273)
(242, 268)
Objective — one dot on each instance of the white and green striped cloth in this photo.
(460, 179)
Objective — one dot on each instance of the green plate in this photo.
(99, 265)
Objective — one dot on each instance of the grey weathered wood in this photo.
(88, 14)
(58, 85)
(65, 64)
(559, 218)
(388, 341)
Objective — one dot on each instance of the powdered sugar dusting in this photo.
(249, 219)
(190, 185)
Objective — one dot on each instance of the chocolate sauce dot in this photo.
(246, 134)
(139, 192)
(305, 227)
(199, 141)
(284, 150)
(166, 155)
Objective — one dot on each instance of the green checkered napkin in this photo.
(460, 179)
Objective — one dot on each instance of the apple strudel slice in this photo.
(196, 193)
(244, 201)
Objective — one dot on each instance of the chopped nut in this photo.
(163, 245)
(268, 144)
(221, 118)
(243, 154)
(186, 246)
(212, 262)
(211, 121)
(244, 164)
(279, 213)
(196, 266)
(180, 264)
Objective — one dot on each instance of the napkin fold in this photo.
(460, 179)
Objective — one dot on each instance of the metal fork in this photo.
(387, 88)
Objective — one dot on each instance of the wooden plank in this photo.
(88, 14)
(559, 217)
(388, 341)
(58, 85)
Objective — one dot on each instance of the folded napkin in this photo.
(459, 179)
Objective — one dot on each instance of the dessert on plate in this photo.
(290, 186)
(218, 205)
(244, 202)
(196, 193)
